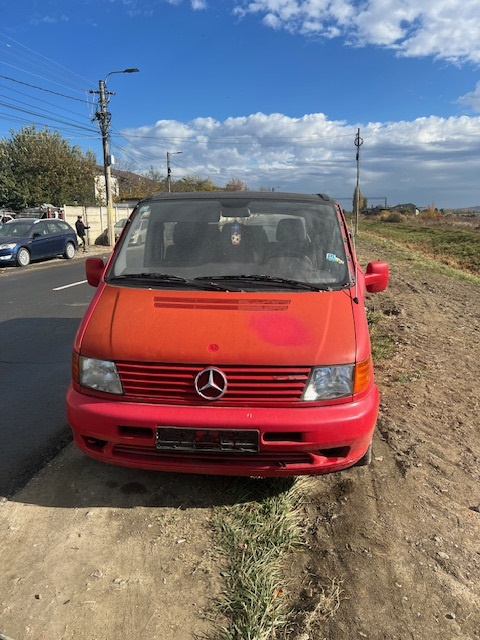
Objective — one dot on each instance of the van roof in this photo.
(238, 195)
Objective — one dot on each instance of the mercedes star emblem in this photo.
(211, 384)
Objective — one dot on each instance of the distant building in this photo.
(100, 191)
(405, 208)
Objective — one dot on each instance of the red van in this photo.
(229, 337)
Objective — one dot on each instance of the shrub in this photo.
(393, 216)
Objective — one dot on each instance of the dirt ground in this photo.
(93, 552)
(401, 538)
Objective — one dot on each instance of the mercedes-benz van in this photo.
(228, 337)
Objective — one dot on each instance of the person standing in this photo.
(81, 232)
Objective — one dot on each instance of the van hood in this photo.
(287, 328)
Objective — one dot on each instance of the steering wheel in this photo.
(291, 253)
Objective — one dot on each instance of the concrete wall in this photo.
(95, 217)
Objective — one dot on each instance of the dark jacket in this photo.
(80, 227)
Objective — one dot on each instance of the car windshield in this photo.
(234, 244)
(15, 228)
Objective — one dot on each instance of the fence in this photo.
(96, 218)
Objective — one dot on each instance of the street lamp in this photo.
(169, 171)
(104, 118)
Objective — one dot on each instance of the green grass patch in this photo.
(383, 345)
(456, 247)
(254, 535)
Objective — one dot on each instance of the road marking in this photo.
(66, 286)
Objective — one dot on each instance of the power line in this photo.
(37, 54)
(32, 86)
(41, 115)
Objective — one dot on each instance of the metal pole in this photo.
(169, 170)
(104, 117)
(358, 144)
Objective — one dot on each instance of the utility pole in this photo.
(358, 143)
(104, 118)
(169, 170)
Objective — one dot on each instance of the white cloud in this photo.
(422, 161)
(471, 99)
(39, 20)
(443, 29)
(198, 5)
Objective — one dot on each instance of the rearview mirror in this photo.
(376, 277)
(94, 268)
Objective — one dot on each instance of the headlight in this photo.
(11, 245)
(101, 375)
(328, 383)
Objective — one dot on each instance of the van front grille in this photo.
(175, 384)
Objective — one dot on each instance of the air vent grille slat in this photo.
(175, 383)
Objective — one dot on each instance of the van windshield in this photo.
(256, 244)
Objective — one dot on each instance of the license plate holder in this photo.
(190, 440)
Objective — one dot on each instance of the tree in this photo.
(362, 201)
(193, 183)
(39, 166)
(235, 184)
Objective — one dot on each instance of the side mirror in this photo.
(94, 268)
(35, 235)
(376, 277)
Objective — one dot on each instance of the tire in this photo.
(23, 257)
(366, 459)
(69, 252)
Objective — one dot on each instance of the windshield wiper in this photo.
(170, 279)
(296, 284)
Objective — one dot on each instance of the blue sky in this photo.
(268, 91)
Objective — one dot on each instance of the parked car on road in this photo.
(117, 230)
(232, 340)
(6, 217)
(25, 239)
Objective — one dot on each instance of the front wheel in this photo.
(69, 252)
(366, 459)
(23, 257)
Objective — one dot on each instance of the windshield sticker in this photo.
(331, 257)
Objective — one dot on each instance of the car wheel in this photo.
(69, 251)
(23, 257)
(366, 459)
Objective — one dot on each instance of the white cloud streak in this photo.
(443, 29)
(422, 161)
(471, 99)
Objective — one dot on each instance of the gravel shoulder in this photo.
(392, 551)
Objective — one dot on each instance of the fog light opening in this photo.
(95, 443)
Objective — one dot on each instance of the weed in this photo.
(254, 536)
(383, 345)
(413, 376)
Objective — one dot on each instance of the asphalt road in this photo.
(40, 309)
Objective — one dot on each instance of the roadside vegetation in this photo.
(254, 537)
(451, 245)
(39, 166)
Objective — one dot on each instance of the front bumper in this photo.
(7, 257)
(294, 441)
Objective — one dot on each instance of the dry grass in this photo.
(254, 536)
